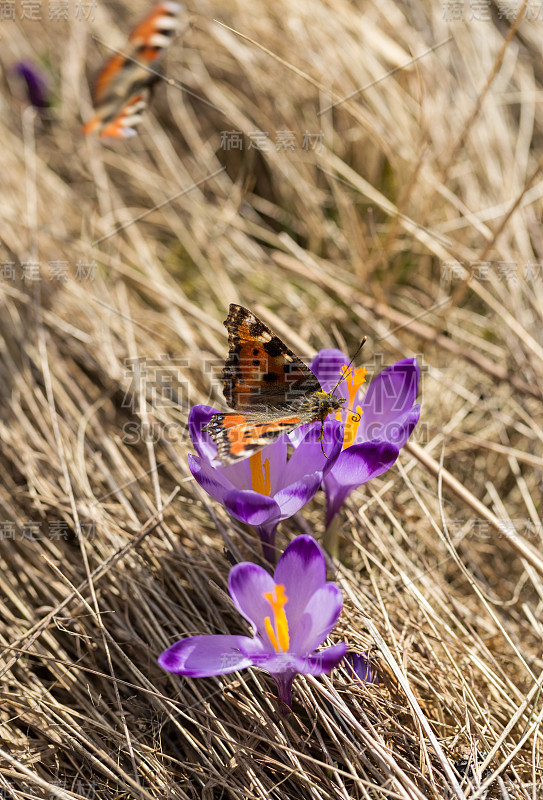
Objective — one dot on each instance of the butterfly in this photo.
(270, 389)
(122, 87)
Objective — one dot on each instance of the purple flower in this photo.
(265, 488)
(291, 615)
(371, 441)
(357, 664)
(37, 88)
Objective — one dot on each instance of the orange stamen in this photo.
(354, 380)
(260, 474)
(278, 632)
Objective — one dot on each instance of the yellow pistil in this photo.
(260, 474)
(278, 632)
(354, 380)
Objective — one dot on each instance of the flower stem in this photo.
(267, 537)
(284, 687)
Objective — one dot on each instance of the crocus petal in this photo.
(276, 455)
(310, 454)
(247, 583)
(390, 395)
(296, 495)
(277, 663)
(209, 478)
(404, 427)
(327, 366)
(251, 507)
(302, 571)
(333, 440)
(318, 619)
(361, 462)
(290, 663)
(203, 656)
(323, 661)
(202, 441)
(355, 466)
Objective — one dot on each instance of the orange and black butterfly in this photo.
(270, 389)
(122, 87)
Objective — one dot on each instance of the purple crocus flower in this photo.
(386, 416)
(357, 664)
(265, 488)
(291, 614)
(37, 88)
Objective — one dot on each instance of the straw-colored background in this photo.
(434, 169)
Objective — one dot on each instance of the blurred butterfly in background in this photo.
(121, 90)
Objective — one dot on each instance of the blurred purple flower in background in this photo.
(372, 441)
(36, 84)
(291, 615)
(267, 487)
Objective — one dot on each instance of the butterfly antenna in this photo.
(348, 367)
(354, 413)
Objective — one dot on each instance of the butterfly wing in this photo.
(123, 124)
(121, 89)
(261, 373)
(238, 436)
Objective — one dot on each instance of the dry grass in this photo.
(115, 552)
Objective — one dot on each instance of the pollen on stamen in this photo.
(354, 380)
(278, 632)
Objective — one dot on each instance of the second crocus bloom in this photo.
(386, 416)
(267, 487)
